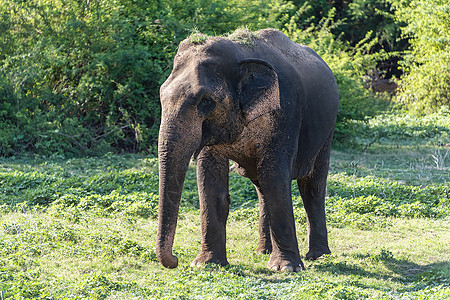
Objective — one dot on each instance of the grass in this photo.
(242, 36)
(85, 228)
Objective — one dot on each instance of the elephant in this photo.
(267, 104)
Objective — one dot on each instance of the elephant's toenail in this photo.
(287, 269)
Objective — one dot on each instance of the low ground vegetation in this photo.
(86, 227)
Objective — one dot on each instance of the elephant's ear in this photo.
(258, 88)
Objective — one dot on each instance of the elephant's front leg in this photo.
(212, 181)
(275, 186)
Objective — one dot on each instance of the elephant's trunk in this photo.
(174, 152)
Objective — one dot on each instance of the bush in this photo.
(78, 78)
(425, 84)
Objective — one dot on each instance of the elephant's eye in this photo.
(206, 105)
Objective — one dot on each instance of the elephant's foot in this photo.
(208, 257)
(317, 253)
(280, 262)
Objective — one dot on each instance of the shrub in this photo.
(425, 84)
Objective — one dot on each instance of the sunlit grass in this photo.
(102, 257)
(86, 228)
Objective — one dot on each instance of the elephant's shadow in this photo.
(256, 272)
(403, 271)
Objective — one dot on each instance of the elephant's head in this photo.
(213, 92)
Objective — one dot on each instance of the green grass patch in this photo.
(47, 255)
(86, 228)
(399, 129)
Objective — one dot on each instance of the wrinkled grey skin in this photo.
(271, 108)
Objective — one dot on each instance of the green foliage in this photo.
(79, 77)
(355, 19)
(219, 17)
(386, 198)
(425, 84)
(401, 129)
(82, 77)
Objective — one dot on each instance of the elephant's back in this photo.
(285, 45)
(303, 58)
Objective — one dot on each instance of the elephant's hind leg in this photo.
(212, 181)
(312, 189)
(265, 242)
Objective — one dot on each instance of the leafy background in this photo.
(82, 77)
